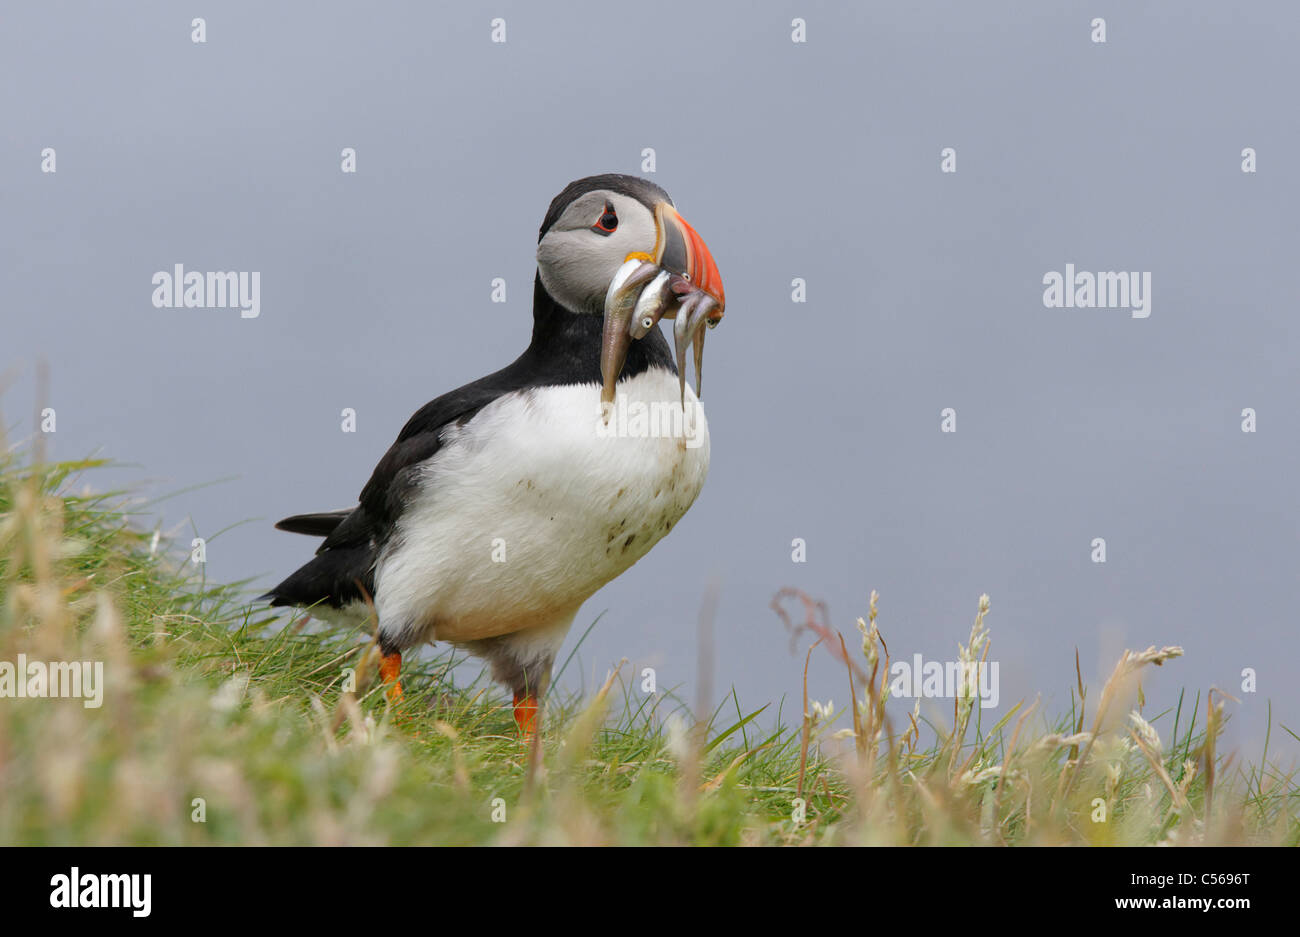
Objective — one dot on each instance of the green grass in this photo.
(210, 702)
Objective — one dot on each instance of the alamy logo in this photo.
(655, 419)
(954, 679)
(1109, 290)
(212, 290)
(75, 890)
(65, 679)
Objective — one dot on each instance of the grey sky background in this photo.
(818, 160)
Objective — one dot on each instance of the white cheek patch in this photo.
(575, 271)
(576, 264)
(636, 228)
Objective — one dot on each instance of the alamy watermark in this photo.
(1104, 290)
(78, 889)
(220, 289)
(654, 419)
(65, 679)
(932, 679)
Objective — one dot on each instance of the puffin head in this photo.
(614, 246)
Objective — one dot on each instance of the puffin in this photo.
(503, 505)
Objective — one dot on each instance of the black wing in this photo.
(344, 564)
(565, 349)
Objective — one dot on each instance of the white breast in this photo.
(536, 503)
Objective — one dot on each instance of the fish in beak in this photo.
(678, 280)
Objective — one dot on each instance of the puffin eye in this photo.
(607, 222)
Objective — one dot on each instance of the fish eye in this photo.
(647, 322)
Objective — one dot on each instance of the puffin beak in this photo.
(678, 280)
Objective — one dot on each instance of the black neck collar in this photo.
(566, 345)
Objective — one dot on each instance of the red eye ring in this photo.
(607, 223)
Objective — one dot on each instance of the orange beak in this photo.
(680, 249)
(679, 280)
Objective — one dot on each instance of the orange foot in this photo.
(389, 666)
(526, 714)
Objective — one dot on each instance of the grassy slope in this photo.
(208, 701)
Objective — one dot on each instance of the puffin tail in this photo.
(314, 525)
(340, 573)
(336, 577)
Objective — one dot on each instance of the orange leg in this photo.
(389, 666)
(526, 714)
